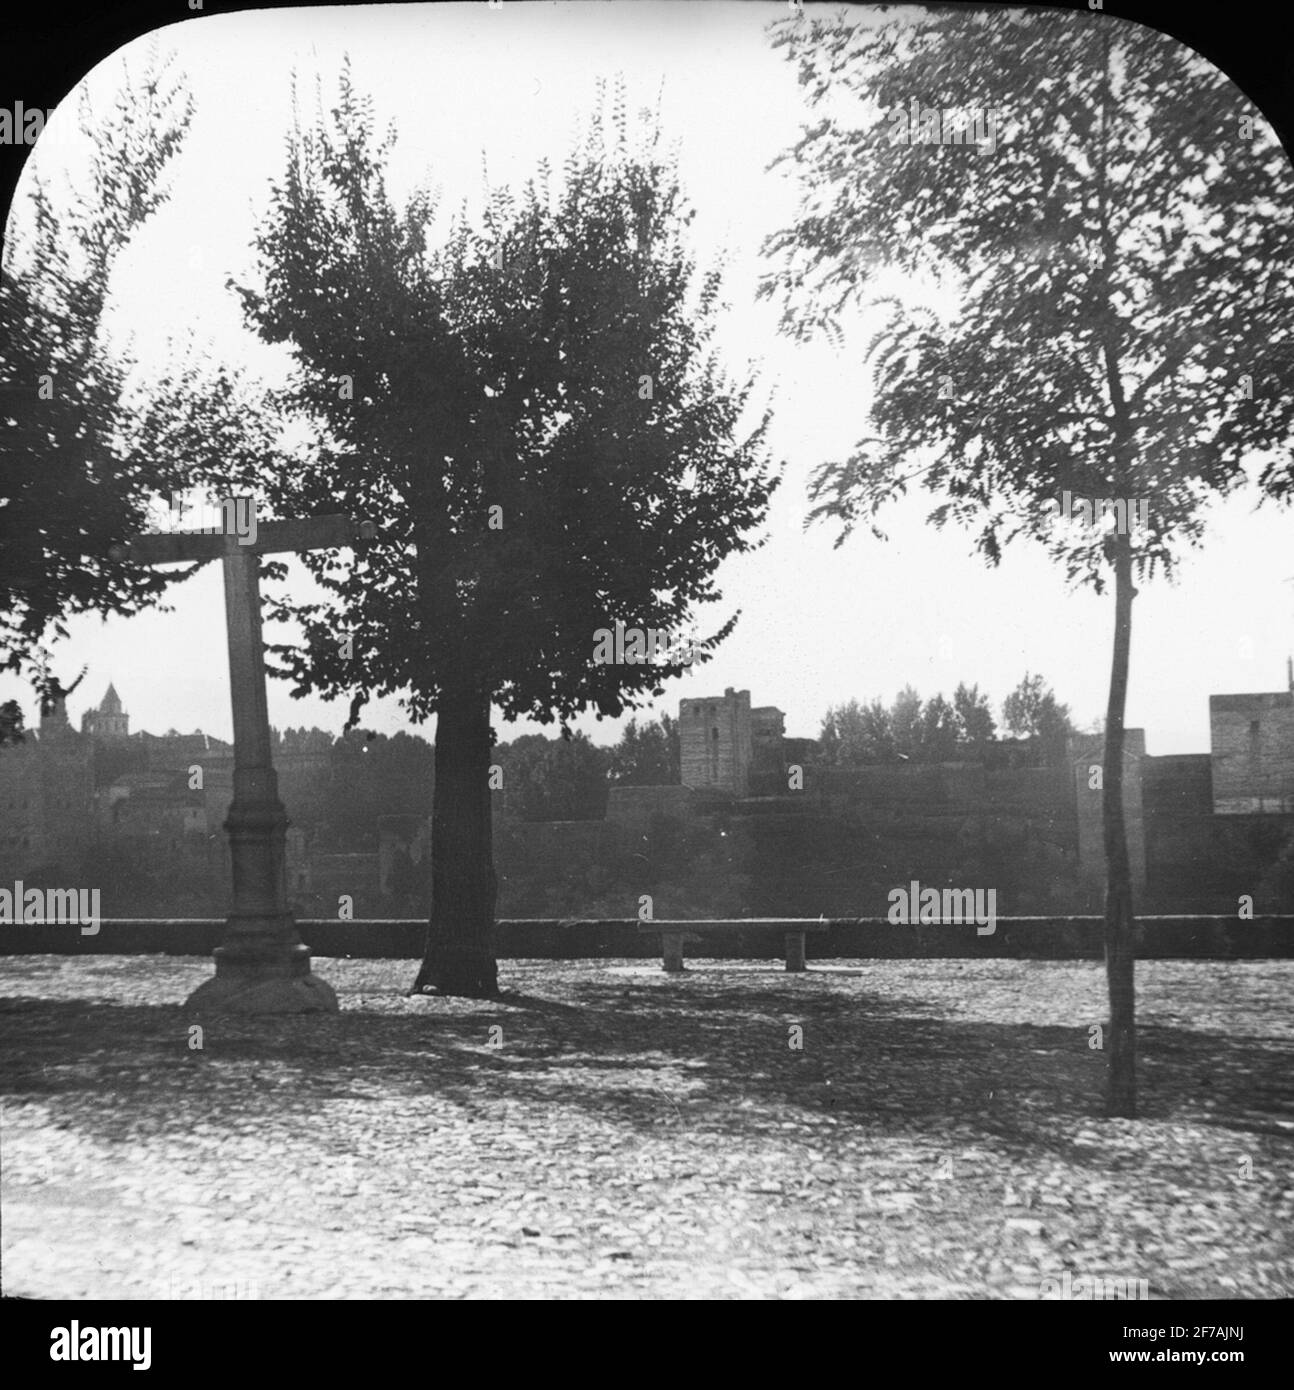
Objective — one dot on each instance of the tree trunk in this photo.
(1121, 1095)
(459, 957)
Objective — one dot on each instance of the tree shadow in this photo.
(664, 1056)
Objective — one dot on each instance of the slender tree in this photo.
(1032, 711)
(1109, 218)
(938, 731)
(1028, 709)
(975, 723)
(905, 723)
(529, 407)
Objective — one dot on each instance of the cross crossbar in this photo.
(308, 533)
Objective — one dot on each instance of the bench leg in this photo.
(795, 950)
(673, 945)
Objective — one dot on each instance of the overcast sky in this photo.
(818, 625)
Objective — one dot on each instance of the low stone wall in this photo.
(1040, 938)
(636, 807)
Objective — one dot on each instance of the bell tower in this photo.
(109, 720)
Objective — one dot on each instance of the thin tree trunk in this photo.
(459, 957)
(1121, 1095)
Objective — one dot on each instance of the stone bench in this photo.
(794, 929)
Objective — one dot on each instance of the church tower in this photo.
(109, 720)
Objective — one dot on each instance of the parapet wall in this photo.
(1035, 938)
(636, 807)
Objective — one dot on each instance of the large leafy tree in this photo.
(74, 479)
(553, 778)
(1117, 257)
(1032, 710)
(853, 733)
(370, 776)
(530, 408)
(648, 754)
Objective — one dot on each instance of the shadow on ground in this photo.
(713, 1057)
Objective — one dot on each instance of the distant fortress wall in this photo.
(1252, 738)
(1205, 830)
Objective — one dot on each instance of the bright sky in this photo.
(819, 625)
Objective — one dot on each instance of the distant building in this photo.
(768, 739)
(1252, 739)
(109, 720)
(716, 741)
(1200, 827)
(46, 799)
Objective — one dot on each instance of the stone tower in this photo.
(46, 800)
(109, 720)
(1252, 743)
(715, 742)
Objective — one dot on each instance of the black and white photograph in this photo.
(647, 654)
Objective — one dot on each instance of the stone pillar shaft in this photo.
(262, 966)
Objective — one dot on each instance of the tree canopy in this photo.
(76, 476)
(529, 406)
(1119, 269)
(647, 754)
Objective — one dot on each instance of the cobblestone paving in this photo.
(637, 1135)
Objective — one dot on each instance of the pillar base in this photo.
(233, 992)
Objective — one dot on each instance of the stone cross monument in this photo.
(262, 966)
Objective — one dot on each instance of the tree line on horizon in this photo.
(936, 730)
